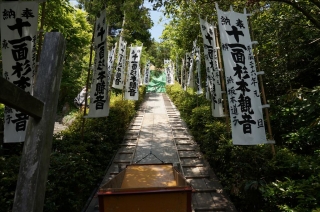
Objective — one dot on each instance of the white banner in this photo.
(182, 76)
(241, 78)
(118, 80)
(198, 73)
(111, 57)
(190, 82)
(132, 81)
(186, 70)
(212, 68)
(146, 78)
(169, 72)
(19, 21)
(99, 104)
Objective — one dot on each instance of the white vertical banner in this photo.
(111, 57)
(146, 77)
(99, 103)
(19, 21)
(176, 68)
(212, 69)
(190, 82)
(186, 70)
(198, 70)
(118, 80)
(169, 72)
(182, 72)
(241, 79)
(132, 81)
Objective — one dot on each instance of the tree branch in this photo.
(303, 11)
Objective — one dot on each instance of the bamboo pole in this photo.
(223, 86)
(264, 99)
(88, 76)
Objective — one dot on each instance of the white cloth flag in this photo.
(118, 80)
(169, 74)
(19, 21)
(186, 70)
(190, 82)
(212, 69)
(182, 73)
(132, 81)
(171, 81)
(198, 66)
(111, 57)
(99, 103)
(241, 78)
(146, 78)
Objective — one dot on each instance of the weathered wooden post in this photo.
(30, 190)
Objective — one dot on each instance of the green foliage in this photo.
(9, 168)
(296, 116)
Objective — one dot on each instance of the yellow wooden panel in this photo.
(149, 176)
(151, 202)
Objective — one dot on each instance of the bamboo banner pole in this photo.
(264, 99)
(223, 86)
(87, 83)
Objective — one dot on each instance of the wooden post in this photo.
(33, 173)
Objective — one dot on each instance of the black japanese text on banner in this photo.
(212, 69)
(186, 70)
(190, 82)
(118, 80)
(132, 81)
(169, 72)
(19, 21)
(146, 77)
(198, 73)
(241, 78)
(99, 103)
(111, 57)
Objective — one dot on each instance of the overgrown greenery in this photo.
(254, 178)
